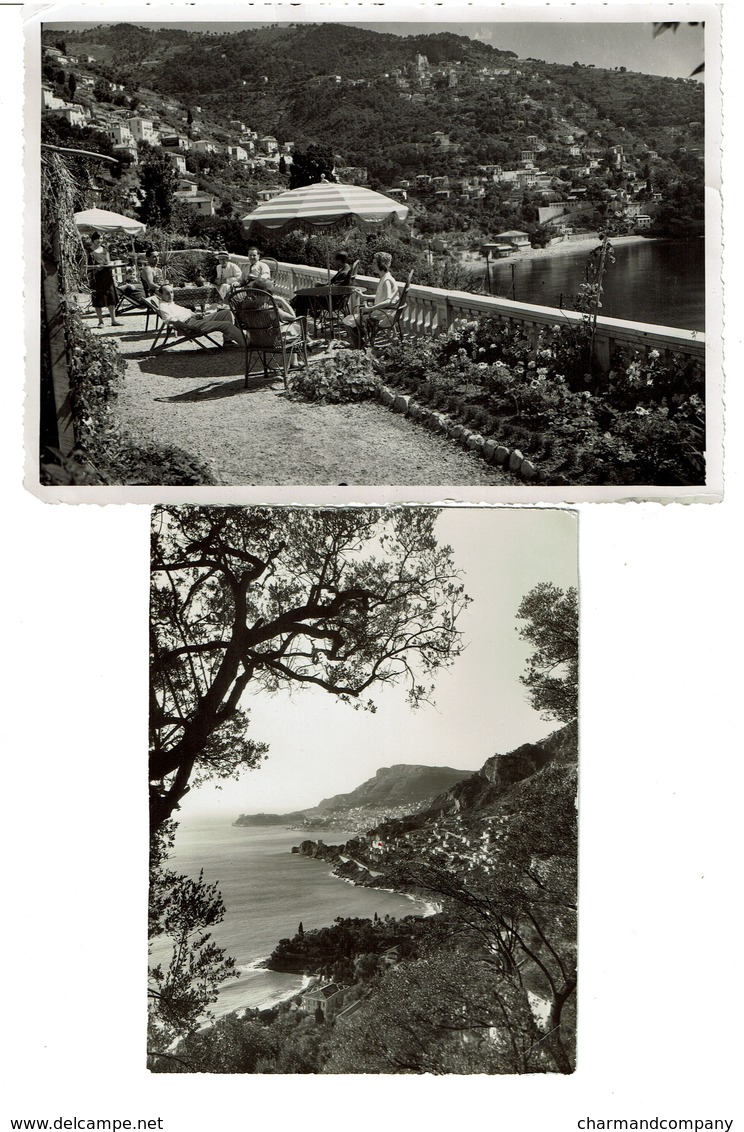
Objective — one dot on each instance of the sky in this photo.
(606, 44)
(630, 45)
(320, 747)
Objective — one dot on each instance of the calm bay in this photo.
(267, 891)
(660, 282)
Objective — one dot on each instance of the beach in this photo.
(268, 890)
(557, 248)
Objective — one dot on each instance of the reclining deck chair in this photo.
(172, 332)
(135, 303)
(256, 313)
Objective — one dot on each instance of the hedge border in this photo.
(492, 451)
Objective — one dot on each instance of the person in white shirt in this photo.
(379, 312)
(227, 275)
(219, 320)
(255, 268)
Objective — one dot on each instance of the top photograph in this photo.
(371, 262)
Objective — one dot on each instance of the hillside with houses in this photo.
(483, 983)
(482, 145)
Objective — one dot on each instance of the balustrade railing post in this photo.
(443, 312)
(602, 351)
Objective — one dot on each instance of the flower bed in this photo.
(350, 375)
(642, 423)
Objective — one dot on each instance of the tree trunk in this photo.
(553, 1042)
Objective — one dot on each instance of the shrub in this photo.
(347, 376)
(132, 463)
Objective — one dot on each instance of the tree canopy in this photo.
(185, 981)
(517, 908)
(158, 181)
(310, 166)
(273, 598)
(552, 626)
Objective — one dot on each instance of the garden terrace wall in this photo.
(431, 311)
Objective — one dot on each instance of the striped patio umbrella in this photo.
(324, 205)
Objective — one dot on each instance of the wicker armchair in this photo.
(257, 314)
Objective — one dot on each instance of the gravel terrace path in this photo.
(194, 399)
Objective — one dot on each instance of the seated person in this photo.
(220, 320)
(227, 274)
(369, 315)
(293, 327)
(303, 304)
(132, 286)
(255, 267)
(151, 274)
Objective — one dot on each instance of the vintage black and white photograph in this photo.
(363, 791)
(382, 254)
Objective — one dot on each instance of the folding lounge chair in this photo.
(133, 303)
(255, 313)
(171, 332)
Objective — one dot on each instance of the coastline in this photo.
(560, 248)
(430, 908)
(271, 999)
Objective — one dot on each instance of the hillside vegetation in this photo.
(392, 790)
(485, 985)
(376, 103)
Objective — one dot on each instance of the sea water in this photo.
(661, 282)
(268, 891)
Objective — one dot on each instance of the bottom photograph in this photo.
(363, 790)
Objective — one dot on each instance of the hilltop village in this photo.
(544, 150)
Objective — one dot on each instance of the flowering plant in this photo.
(641, 423)
(344, 376)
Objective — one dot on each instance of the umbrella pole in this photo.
(330, 293)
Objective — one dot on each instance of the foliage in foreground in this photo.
(184, 985)
(104, 453)
(642, 423)
(340, 600)
(551, 617)
(340, 378)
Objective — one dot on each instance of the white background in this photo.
(660, 1002)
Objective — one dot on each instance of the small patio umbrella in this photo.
(99, 220)
(326, 205)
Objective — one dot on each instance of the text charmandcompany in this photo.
(588, 1124)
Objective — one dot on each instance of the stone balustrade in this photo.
(431, 310)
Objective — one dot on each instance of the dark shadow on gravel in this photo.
(137, 335)
(194, 364)
(220, 392)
